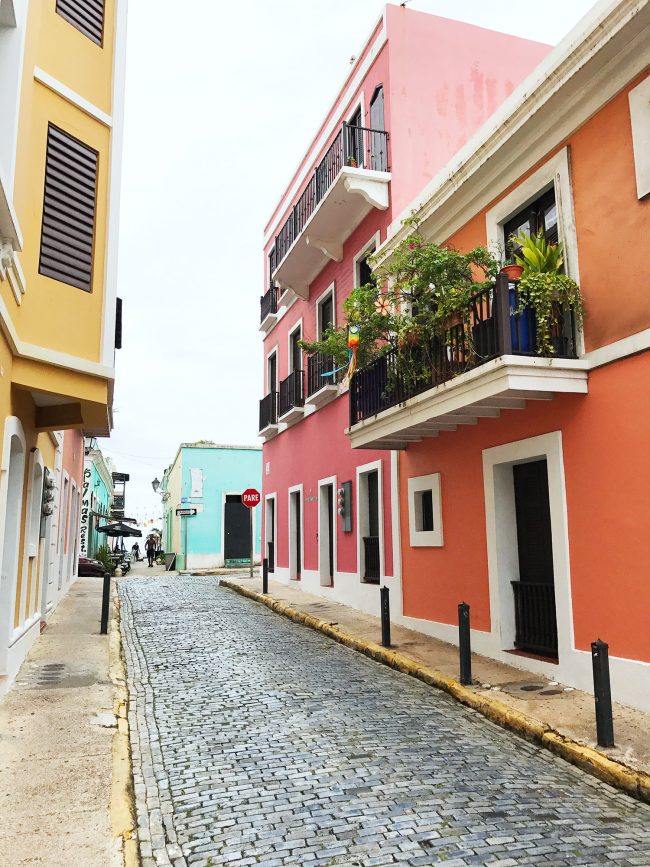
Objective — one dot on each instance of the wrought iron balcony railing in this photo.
(317, 366)
(269, 410)
(268, 303)
(291, 393)
(354, 146)
(493, 328)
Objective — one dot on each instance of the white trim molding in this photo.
(639, 99)
(418, 536)
(373, 243)
(72, 96)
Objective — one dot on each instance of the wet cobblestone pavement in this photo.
(257, 741)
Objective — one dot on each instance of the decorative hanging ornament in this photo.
(382, 305)
(353, 344)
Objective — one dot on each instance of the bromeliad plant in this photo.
(414, 296)
(545, 288)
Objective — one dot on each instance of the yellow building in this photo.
(61, 107)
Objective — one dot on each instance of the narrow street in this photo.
(257, 741)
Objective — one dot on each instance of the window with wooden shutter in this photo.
(68, 210)
(86, 15)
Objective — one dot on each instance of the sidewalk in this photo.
(58, 734)
(568, 713)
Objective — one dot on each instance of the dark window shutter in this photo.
(68, 210)
(86, 15)
(118, 323)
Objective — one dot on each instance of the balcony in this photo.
(321, 389)
(351, 180)
(291, 398)
(269, 309)
(269, 415)
(479, 368)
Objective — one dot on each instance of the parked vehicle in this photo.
(88, 567)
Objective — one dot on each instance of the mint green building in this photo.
(206, 481)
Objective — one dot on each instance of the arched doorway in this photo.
(11, 498)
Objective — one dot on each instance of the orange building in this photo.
(524, 480)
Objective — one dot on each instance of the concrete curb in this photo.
(122, 808)
(633, 782)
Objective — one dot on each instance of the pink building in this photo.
(421, 86)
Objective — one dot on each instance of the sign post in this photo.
(251, 498)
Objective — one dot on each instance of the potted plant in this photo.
(545, 290)
(512, 270)
(351, 161)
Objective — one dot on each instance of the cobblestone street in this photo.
(257, 741)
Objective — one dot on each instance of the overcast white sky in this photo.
(222, 100)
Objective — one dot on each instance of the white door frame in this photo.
(291, 524)
(501, 529)
(31, 541)
(323, 533)
(274, 534)
(362, 516)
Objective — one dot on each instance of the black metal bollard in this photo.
(106, 600)
(265, 575)
(464, 644)
(385, 616)
(602, 693)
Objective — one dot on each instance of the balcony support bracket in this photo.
(332, 249)
(375, 192)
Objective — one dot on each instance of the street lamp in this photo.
(155, 484)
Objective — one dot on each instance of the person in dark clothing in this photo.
(151, 550)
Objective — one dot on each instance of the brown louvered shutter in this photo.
(68, 210)
(86, 15)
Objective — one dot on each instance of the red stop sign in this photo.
(251, 498)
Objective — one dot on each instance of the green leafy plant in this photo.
(103, 554)
(415, 296)
(545, 288)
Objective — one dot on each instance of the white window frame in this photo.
(331, 290)
(374, 241)
(425, 538)
(639, 99)
(273, 350)
(364, 470)
(295, 327)
(295, 489)
(555, 174)
(323, 552)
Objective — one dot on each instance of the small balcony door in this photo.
(295, 352)
(356, 138)
(378, 154)
(325, 314)
(534, 592)
(272, 374)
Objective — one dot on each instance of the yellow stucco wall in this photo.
(174, 488)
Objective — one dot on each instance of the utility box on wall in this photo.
(345, 506)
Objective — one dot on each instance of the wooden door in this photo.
(534, 592)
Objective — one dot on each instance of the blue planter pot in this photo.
(522, 325)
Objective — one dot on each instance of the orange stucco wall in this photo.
(607, 471)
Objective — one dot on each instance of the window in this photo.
(86, 15)
(272, 373)
(639, 98)
(295, 352)
(69, 200)
(325, 313)
(378, 152)
(356, 138)
(425, 511)
(539, 214)
(362, 270)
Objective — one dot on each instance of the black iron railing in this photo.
(354, 146)
(291, 392)
(372, 571)
(268, 303)
(535, 620)
(270, 555)
(317, 365)
(493, 328)
(268, 410)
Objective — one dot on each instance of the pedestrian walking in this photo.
(135, 550)
(151, 550)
